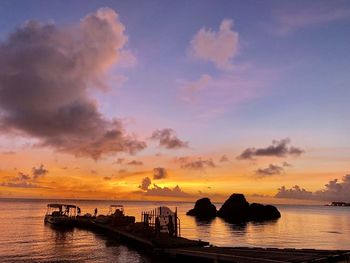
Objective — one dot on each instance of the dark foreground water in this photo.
(25, 238)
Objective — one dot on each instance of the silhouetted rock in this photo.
(203, 209)
(259, 212)
(237, 209)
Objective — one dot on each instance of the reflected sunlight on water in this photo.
(24, 237)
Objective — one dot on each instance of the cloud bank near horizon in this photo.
(333, 191)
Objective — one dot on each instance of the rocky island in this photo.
(235, 209)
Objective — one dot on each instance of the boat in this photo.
(60, 214)
(116, 216)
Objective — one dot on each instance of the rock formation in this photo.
(237, 209)
(203, 209)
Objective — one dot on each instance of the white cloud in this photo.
(218, 47)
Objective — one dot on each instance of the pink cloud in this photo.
(218, 47)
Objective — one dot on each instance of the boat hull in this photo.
(59, 220)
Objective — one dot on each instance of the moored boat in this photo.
(60, 214)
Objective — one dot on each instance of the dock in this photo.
(258, 255)
(180, 248)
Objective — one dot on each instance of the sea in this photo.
(25, 238)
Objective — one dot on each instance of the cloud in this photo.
(146, 182)
(22, 180)
(161, 191)
(214, 94)
(120, 161)
(333, 191)
(159, 173)
(217, 47)
(191, 88)
(309, 16)
(224, 158)
(278, 149)
(8, 153)
(272, 169)
(135, 162)
(39, 172)
(46, 75)
(296, 192)
(200, 164)
(168, 139)
(286, 164)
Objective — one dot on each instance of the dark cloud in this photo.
(146, 182)
(168, 139)
(272, 169)
(134, 162)
(156, 190)
(46, 75)
(107, 178)
(224, 158)
(278, 149)
(159, 173)
(333, 191)
(199, 164)
(39, 172)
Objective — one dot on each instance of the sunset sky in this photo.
(175, 100)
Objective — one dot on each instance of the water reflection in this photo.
(62, 236)
(203, 221)
(239, 229)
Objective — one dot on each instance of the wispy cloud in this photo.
(309, 15)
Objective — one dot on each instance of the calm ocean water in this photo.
(24, 237)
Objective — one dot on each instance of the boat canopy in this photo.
(117, 206)
(61, 205)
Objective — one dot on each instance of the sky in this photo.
(175, 100)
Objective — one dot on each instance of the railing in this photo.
(151, 220)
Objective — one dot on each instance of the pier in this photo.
(179, 248)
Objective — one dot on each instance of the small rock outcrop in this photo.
(237, 209)
(203, 209)
(259, 212)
